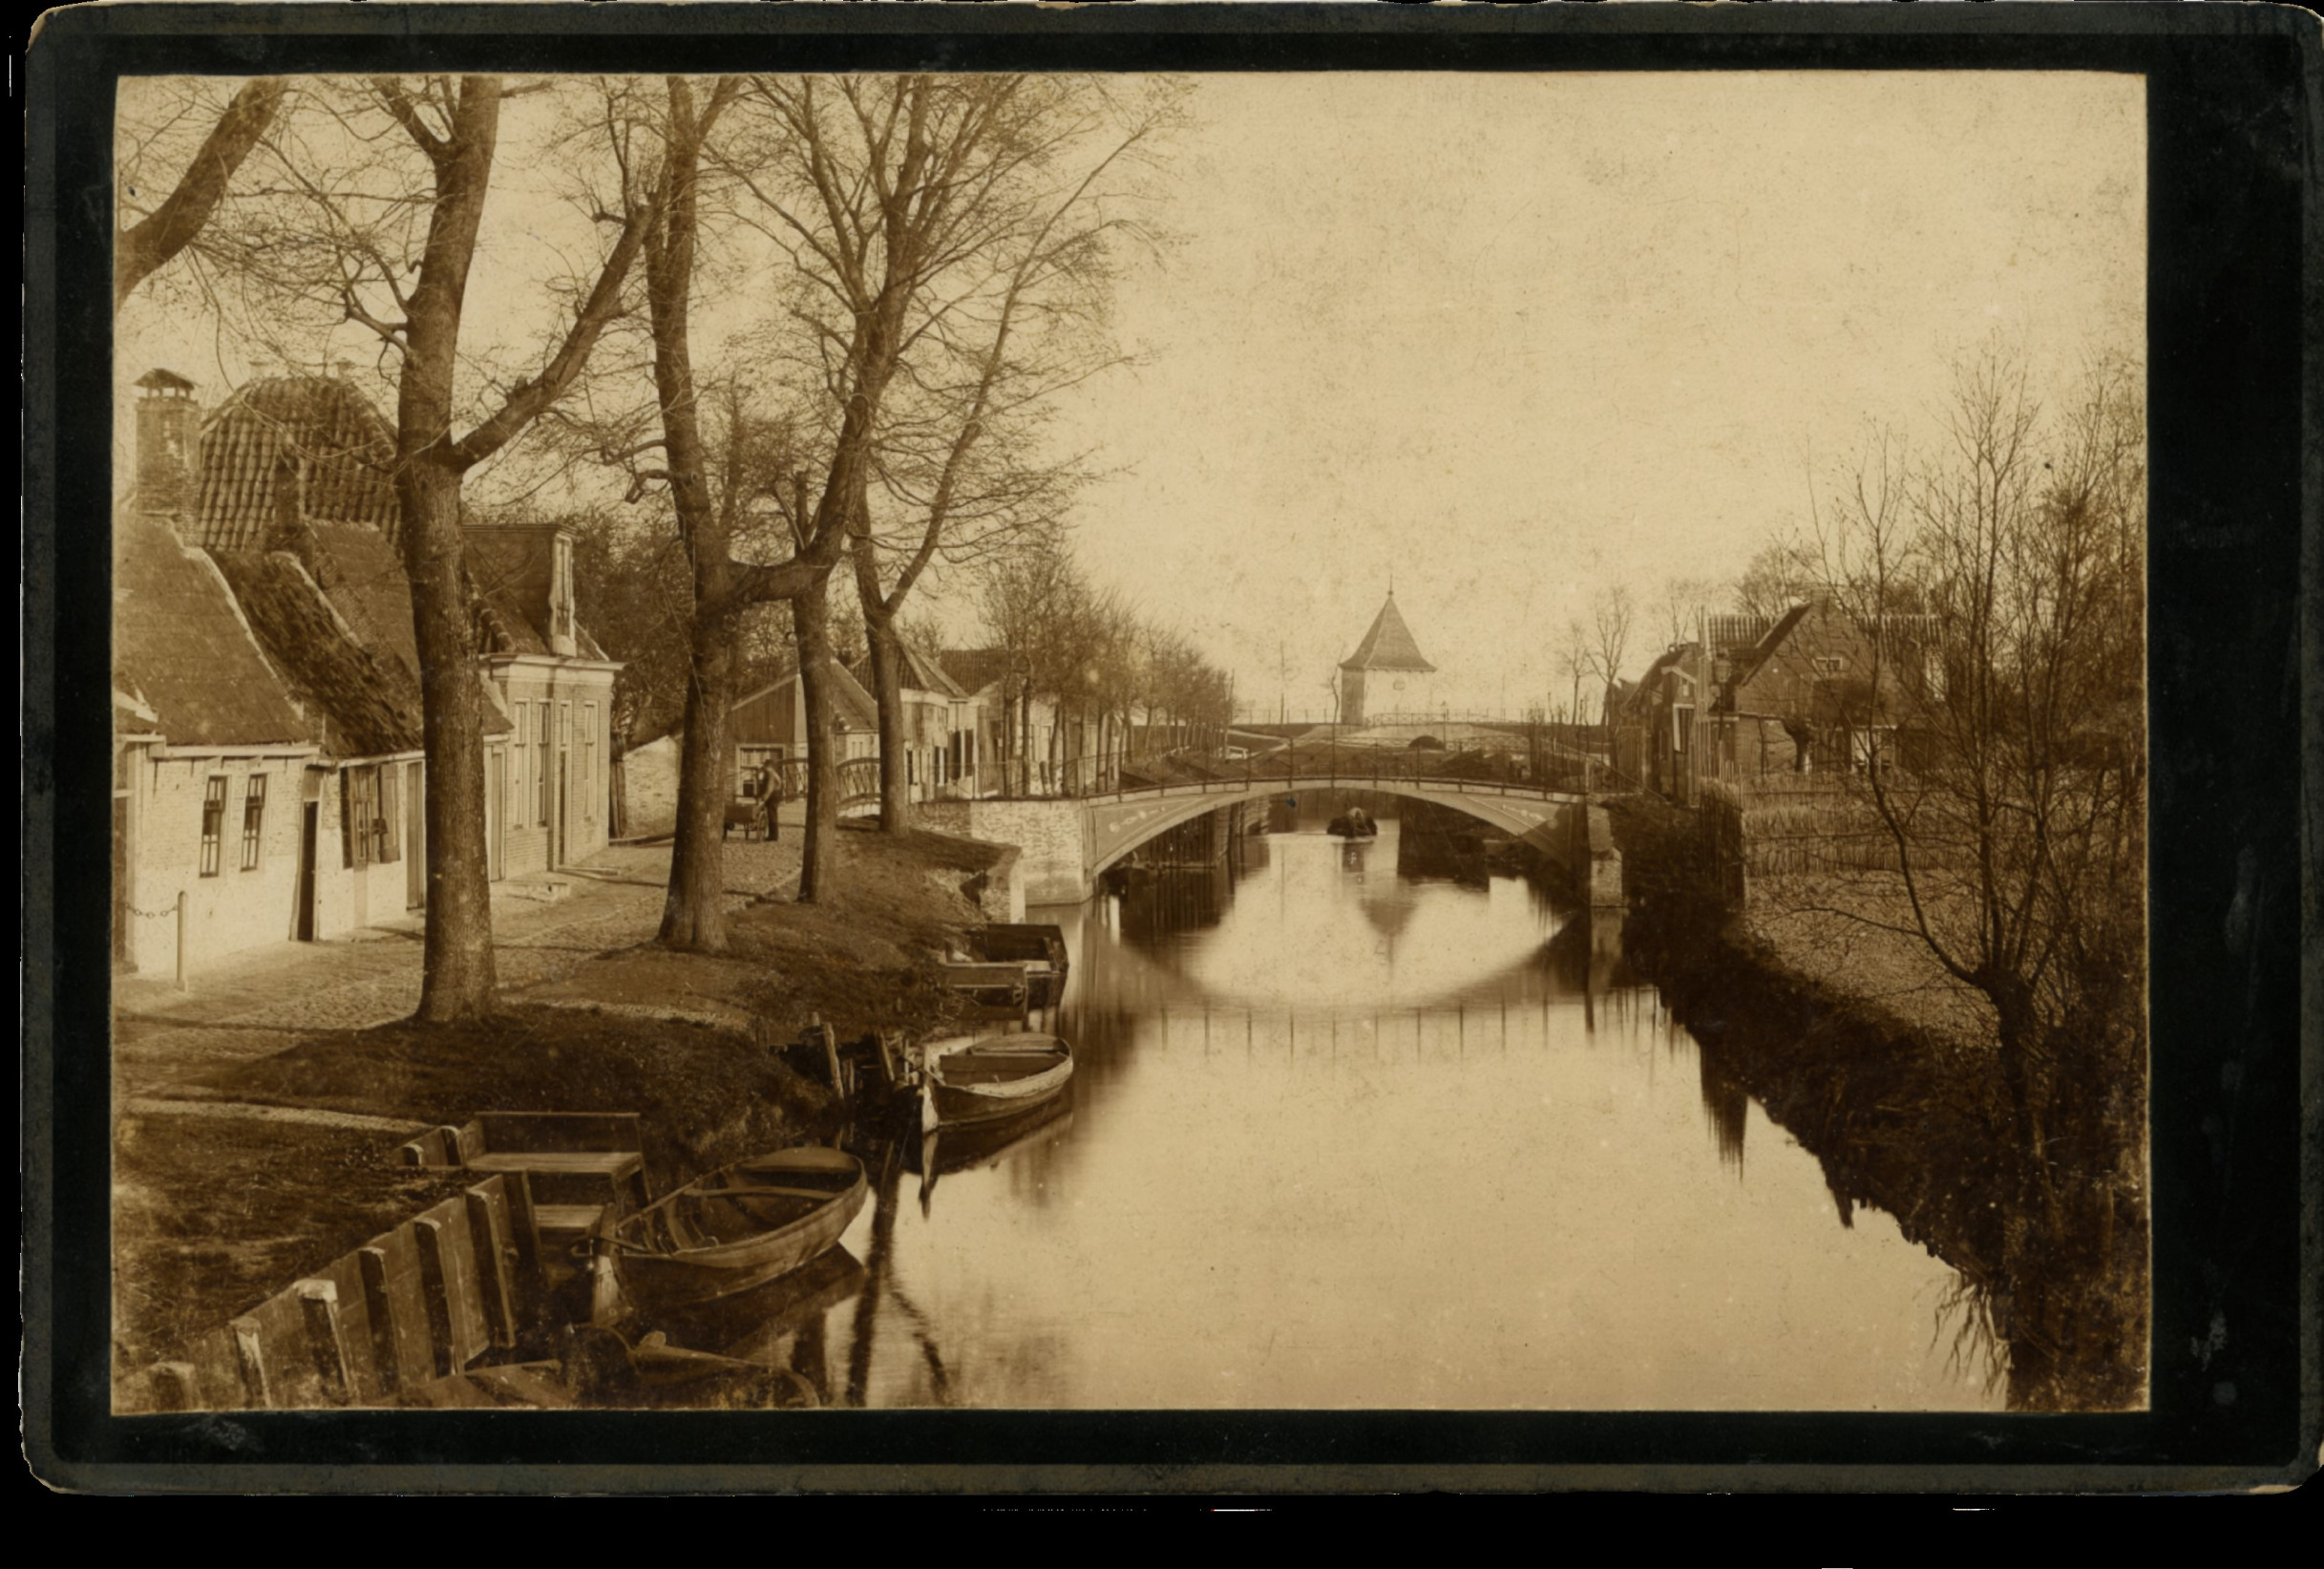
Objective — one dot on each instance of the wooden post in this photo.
(381, 1310)
(435, 1273)
(319, 1306)
(251, 1356)
(488, 1228)
(182, 937)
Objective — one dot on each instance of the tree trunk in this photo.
(460, 983)
(819, 838)
(694, 918)
(888, 691)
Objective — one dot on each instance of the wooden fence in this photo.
(430, 1298)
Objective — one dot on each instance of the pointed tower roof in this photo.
(1388, 646)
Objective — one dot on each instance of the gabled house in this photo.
(274, 517)
(770, 727)
(216, 783)
(942, 724)
(1807, 693)
(1027, 743)
(1812, 694)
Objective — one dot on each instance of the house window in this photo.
(589, 758)
(541, 758)
(1682, 721)
(911, 767)
(367, 815)
(1830, 664)
(254, 820)
(213, 822)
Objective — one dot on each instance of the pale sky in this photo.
(1513, 338)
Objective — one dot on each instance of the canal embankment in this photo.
(1833, 1015)
(220, 1203)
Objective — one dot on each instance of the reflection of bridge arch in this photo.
(1116, 824)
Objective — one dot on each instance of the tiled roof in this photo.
(316, 434)
(1388, 646)
(182, 651)
(974, 669)
(921, 672)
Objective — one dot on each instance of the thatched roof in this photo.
(182, 653)
(336, 618)
(369, 700)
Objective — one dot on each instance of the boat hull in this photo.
(1044, 1075)
(656, 1278)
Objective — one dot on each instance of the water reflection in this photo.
(1343, 1135)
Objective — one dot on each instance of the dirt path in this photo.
(165, 1040)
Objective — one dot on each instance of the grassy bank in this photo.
(214, 1213)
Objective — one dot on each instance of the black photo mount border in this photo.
(2234, 569)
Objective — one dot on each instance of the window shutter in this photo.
(388, 815)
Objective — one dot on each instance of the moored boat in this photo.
(736, 1228)
(1354, 823)
(973, 1079)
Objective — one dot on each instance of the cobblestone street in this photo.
(252, 1005)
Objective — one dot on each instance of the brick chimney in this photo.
(169, 436)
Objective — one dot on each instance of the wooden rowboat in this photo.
(736, 1228)
(974, 1079)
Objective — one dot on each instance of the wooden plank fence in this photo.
(433, 1297)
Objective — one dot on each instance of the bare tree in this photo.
(759, 472)
(1610, 624)
(163, 230)
(1574, 663)
(1681, 599)
(970, 226)
(1780, 575)
(1999, 580)
(365, 214)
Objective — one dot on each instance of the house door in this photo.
(415, 837)
(310, 823)
(121, 960)
(495, 814)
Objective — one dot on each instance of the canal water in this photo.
(1346, 1136)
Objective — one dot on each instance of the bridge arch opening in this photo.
(1116, 829)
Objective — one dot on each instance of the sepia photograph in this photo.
(1273, 821)
(1136, 740)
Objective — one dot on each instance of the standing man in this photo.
(770, 799)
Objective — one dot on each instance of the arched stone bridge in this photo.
(1064, 845)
